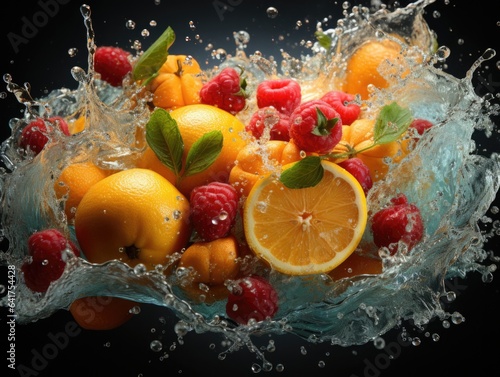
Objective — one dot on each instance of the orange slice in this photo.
(306, 231)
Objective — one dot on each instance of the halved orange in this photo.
(309, 230)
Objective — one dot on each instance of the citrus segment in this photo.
(306, 231)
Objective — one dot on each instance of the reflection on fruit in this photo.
(102, 313)
(194, 121)
(178, 82)
(364, 64)
(74, 181)
(306, 231)
(135, 216)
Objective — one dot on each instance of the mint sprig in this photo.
(392, 122)
(147, 66)
(165, 139)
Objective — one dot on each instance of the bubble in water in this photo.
(156, 346)
(130, 25)
(272, 12)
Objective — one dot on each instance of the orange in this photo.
(363, 66)
(306, 231)
(76, 125)
(357, 137)
(178, 82)
(193, 122)
(135, 216)
(256, 160)
(148, 160)
(212, 262)
(74, 181)
(102, 313)
(356, 265)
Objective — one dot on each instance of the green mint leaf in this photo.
(391, 123)
(323, 39)
(164, 138)
(307, 172)
(324, 126)
(146, 68)
(203, 152)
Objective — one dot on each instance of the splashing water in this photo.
(453, 192)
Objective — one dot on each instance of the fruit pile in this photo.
(226, 198)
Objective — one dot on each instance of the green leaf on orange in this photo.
(147, 66)
(164, 138)
(307, 172)
(203, 152)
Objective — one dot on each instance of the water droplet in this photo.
(256, 368)
(45, 262)
(416, 341)
(130, 25)
(303, 350)
(272, 12)
(435, 337)
(156, 346)
(181, 328)
(379, 343)
(153, 23)
(3, 95)
(140, 269)
(72, 52)
(280, 367)
(321, 364)
(145, 32)
(192, 26)
(457, 318)
(2, 289)
(135, 309)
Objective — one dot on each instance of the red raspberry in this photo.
(270, 118)
(213, 209)
(252, 298)
(283, 94)
(344, 104)
(315, 127)
(47, 263)
(112, 63)
(401, 221)
(225, 91)
(421, 125)
(360, 171)
(36, 134)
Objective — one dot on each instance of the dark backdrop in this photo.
(42, 60)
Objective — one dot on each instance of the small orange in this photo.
(149, 160)
(102, 313)
(256, 160)
(74, 181)
(76, 125)
(357, 137)
(356, 265)
(212, 262)
(309, 230)
(363, 66)
(196, 120)
(178, 82)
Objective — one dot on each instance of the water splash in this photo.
(454, 193)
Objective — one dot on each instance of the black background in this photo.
(465, 349)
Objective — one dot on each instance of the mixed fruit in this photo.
(288, 184)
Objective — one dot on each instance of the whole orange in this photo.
(74, 181)
(363, 66)
(135, 216)
(193, 122)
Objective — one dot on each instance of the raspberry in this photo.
(225, 91)
(47, 263)
(112, 64)
(252, 298)
(213, 210)
(421, 125)
(360, 171)
(283, 94)
(401, 221)
(36, 134)
(315, 127)
(269, 118)
(344, 104)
